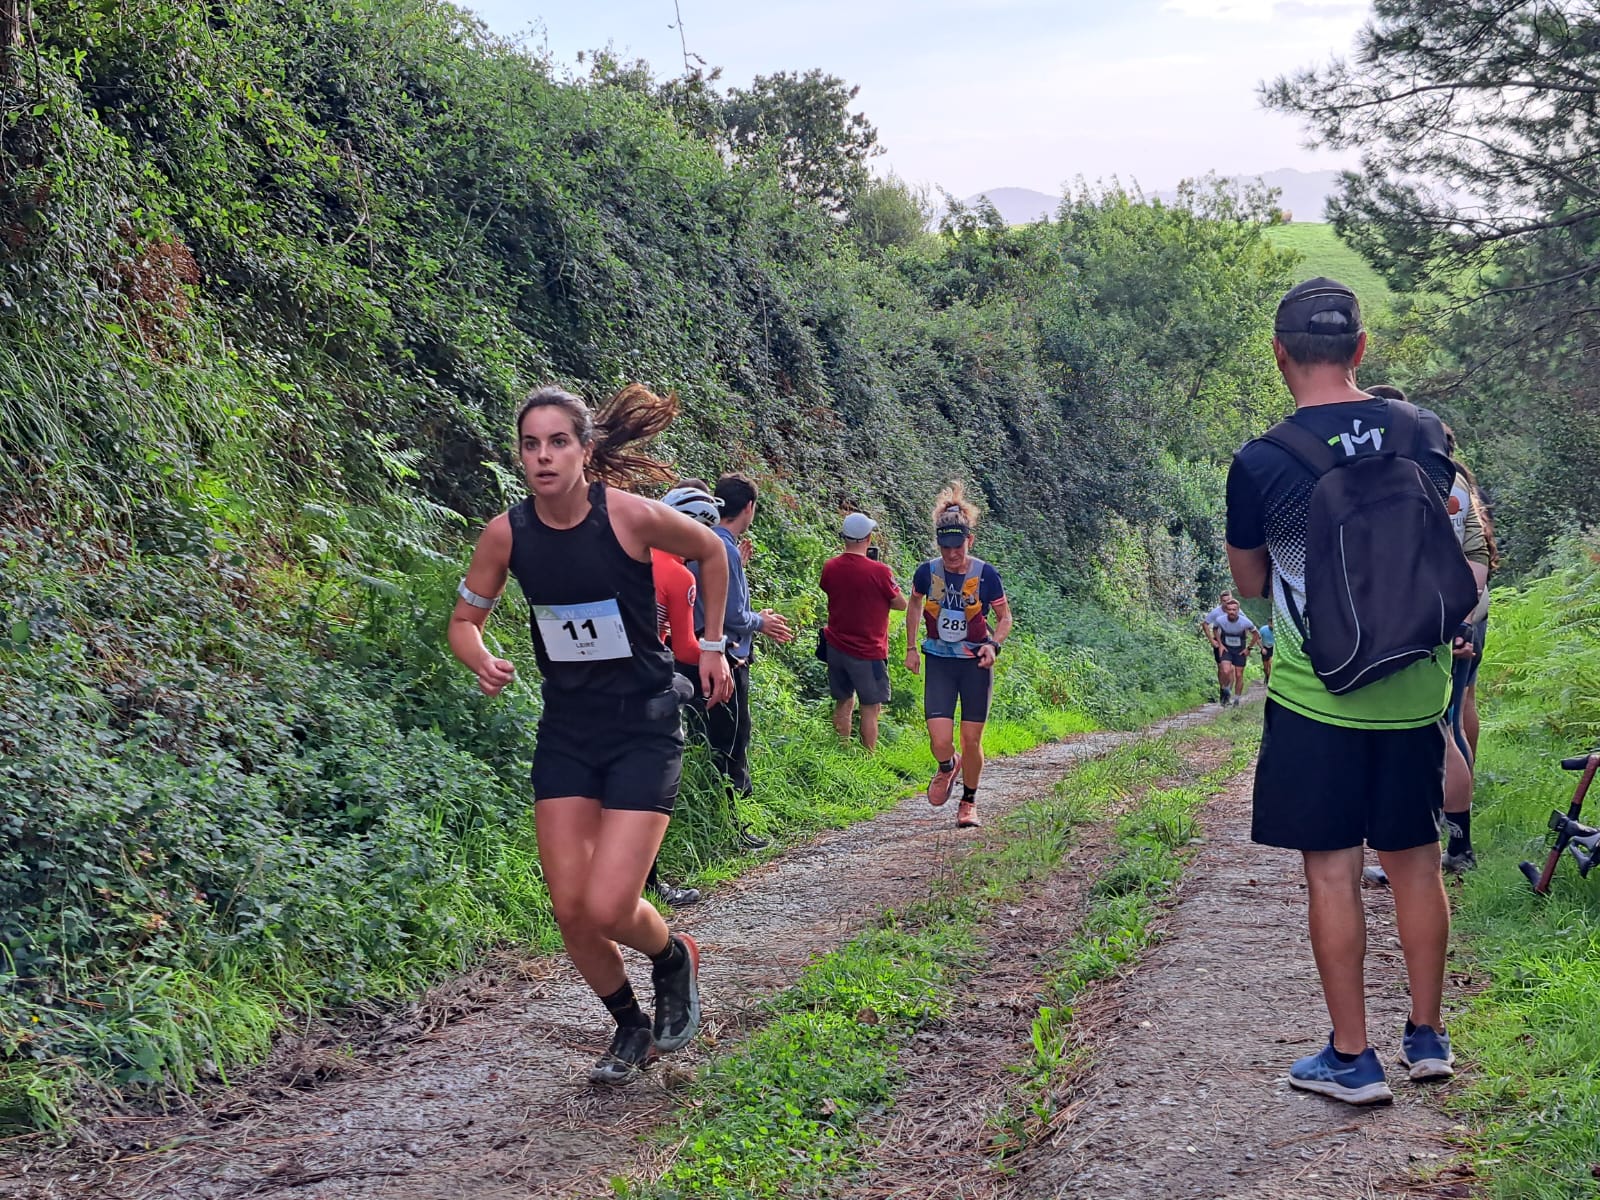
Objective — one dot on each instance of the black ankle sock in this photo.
(948, 764)
(624, 1006)
(968, 793)
(1343, 1057)
(1460, 828)
(669, 958)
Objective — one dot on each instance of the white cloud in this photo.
(1262, 11)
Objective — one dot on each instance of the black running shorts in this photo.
(1325, 787)
(849, 676)
(946, 680)
(610, 750)
(1467, 668)
(1238, 657)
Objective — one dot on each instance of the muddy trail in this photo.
(493, 1104)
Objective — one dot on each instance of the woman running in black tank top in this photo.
(609, 751)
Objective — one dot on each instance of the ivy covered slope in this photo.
(274, 276)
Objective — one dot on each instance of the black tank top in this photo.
(593, 607)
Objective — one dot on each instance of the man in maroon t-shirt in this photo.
(861, 591)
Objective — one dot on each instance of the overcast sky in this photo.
(981, 94)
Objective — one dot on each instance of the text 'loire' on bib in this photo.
(582, 632)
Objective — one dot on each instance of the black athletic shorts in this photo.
(849, 676)
(1238, 657)
(946, 680)
(1216, 652)
(626, 752)
(1325, 787)
(1266, 653)
(1466, 669)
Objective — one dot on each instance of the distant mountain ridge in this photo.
(1303, 194)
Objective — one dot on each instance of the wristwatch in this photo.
(717, 646)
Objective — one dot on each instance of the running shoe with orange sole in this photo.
(939, 786)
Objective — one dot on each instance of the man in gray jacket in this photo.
(727, 726)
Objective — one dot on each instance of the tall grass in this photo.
(1529, 1039)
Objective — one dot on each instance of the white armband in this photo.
(471, 597)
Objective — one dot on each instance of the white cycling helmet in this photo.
(693, 502)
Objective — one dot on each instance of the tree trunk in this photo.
(10, 40)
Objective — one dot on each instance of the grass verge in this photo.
(1527, 1039)
(783, 1115)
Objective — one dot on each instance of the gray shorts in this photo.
(849, 676)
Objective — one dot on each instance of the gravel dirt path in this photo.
(493, 1105)
(1189, 1096)
(1185, 1095)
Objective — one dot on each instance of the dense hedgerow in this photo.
(272, 279)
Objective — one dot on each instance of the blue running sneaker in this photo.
(1358, 1082)
(1426, 1052)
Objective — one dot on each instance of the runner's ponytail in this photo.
(955, 496)
(635, 414)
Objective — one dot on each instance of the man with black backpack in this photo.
(1337, 514)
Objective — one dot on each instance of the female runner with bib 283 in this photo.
(953, 596)
(609, 748)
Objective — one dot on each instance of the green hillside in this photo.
(1322, 253)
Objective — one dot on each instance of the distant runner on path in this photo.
(609, 749)
(1235, 635)
(1365, 763)
(1267, 639)
(1208, 626)
(953, 595)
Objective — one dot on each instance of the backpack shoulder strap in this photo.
(1404, 432)
(1303, 446)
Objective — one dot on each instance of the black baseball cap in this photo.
(952, 532)
(1321, 306)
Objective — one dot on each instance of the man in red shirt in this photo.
(861, 592)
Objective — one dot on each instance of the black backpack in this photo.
(1386, 582)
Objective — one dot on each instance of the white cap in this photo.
(858, 526)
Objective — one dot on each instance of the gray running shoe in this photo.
(676, 897)
(1375, 876)
(678, 998)
(1459, 864)
(630, 1052)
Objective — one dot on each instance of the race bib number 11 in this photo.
(582, 632)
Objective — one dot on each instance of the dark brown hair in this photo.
(737, 491)
(635, 414)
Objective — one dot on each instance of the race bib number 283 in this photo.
(582, 632)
